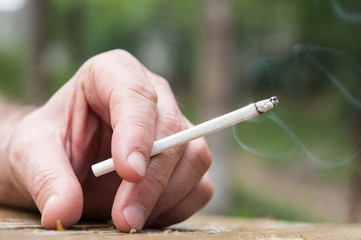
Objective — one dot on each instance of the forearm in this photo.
(10, 115)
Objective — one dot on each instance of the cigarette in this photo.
(203, 129)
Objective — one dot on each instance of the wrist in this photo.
(11, 115)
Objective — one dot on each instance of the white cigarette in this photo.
(203, 129)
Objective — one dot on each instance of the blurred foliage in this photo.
(269, 38)
(11, 74)
(92, 27)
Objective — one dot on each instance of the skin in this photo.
(112, 107)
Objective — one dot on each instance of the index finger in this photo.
(117, 88)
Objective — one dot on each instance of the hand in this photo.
(112, 107)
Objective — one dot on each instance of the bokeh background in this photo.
(299, 162)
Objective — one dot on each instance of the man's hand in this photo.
(112, 107)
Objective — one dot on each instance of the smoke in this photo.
(333, 69)
(344, 15)
(339, 11)
(298, 145)
(310, 51)
(281, 152)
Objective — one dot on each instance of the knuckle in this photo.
(200, 157)
(163, 82)
(125, 60)
(41, 185)
(119, 54)
(172, 122)
(157, 182)
(122, 54)
(99, 64)
(204, 156)
(138, 86)
(206, 189)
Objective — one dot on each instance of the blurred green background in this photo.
(300, 162)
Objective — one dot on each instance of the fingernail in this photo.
(46, 206)
(137, 161)
(135, 216)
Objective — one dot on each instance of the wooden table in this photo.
(24, 225)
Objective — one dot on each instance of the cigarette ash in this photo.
(265, 105)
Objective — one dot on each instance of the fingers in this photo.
(117, 87)
(191, 203)
(194, 163)
(134, 202)
(170, 177)
(43, 169)
(159, 193)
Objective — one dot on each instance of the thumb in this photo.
(60, 199)
(41, 165)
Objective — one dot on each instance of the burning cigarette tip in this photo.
(274, 100)
(265, 105)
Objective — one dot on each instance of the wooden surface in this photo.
(23, 225)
